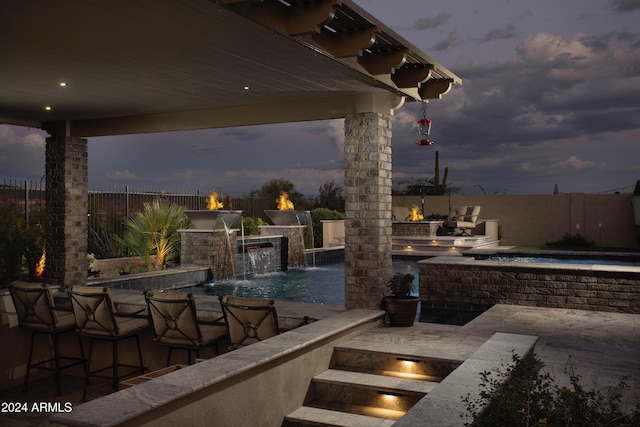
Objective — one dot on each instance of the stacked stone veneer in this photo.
(295, 236)
(214, 249)
(66, 226)
(367, 256)
(468, 283)
(417, 228)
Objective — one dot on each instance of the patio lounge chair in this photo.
(175, 324)
(249, 320)
(36, 313)
(463, 218)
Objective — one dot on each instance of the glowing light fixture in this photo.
(47, 107)
(390, 394)
(63, 84)
(405, 359)
(246, 87)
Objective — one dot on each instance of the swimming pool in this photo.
(323, 284)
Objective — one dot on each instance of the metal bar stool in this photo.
(36, 313)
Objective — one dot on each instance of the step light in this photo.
(390, 394)
(405, 359)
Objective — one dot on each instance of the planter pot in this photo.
(401, 311)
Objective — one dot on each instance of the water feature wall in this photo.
(293, 235)
(293, 225)
(259, 255)
(460, 283)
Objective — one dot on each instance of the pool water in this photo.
(323, 284)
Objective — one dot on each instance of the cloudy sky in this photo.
(550, 95)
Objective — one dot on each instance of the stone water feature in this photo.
(218, 243)
(292, 225)
(213, 242)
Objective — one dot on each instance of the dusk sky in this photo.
(550, 95)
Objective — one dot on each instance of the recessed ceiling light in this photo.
(47, 107)
(246, 87)
(63, 84)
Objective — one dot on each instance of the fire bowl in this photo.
(215, 219)
(288, 217)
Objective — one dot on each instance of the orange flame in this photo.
(40, 266)
(284, 204)
(414, 214)
(212, 202)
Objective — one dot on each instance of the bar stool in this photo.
(36, 313)
(176, 325)
(96, 319)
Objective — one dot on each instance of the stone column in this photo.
(367, 153)
(66, 227)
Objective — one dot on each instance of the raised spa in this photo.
(468, 283)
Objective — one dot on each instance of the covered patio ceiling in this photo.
(137, 66)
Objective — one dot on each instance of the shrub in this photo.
(317, 215)
(572, 241)
(251, 225)
(519, 395)
(21, 243)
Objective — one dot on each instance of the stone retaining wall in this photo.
(213, 249)
(417, 228)
(467, 282)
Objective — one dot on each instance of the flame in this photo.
(284, 204)
(212, 202)
(40, 266)
(414, 214)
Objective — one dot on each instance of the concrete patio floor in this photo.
(602, 347)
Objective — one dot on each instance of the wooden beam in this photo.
(412, 76)
(379, 63)
(434, 88)
(306, 18)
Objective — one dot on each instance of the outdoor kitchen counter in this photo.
(290, 314)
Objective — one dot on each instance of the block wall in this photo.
(605, 219)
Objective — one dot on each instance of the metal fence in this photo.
(108, 208)
(21, 199)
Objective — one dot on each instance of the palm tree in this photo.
(154, 231)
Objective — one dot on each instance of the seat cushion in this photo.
(212, 333)
(131, 325)
(472, 214)
(66, 319)
(461, 224)
(457, 211)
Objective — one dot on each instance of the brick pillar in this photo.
(367, 158)
(66, 228)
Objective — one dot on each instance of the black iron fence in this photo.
(23, 202)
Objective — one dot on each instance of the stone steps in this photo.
(439, 245)
(365, 387)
